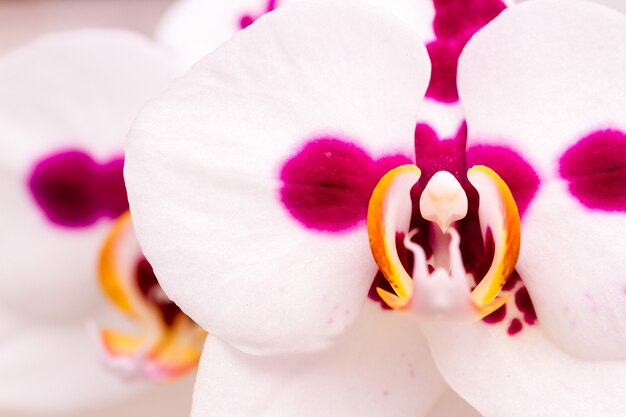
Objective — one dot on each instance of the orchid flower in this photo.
(66, 102)
(263, 181)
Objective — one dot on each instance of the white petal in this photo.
(525, 375)
(381, 367)
(204, 162)
(194, 28)
(541, 77)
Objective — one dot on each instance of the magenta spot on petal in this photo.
(460, 19)
(518, 174)
(328, 183)
(75, 191)
(497, 316)
(525, 305)
(595, 169)
(515, 327)
(444, 56)
(152, 292)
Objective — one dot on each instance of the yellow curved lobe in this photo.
(389, 211)
(498, 212)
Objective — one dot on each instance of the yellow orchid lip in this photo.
(438, 287)
(166, 343)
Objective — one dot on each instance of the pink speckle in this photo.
(595, 168)
(515, 327)
(385, 393)
(330, 321)
(346, 312)
(593, 307)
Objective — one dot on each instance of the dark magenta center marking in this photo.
(328, 183)
(73, 190)
(248, 19)
(152, 292)
(595, 169)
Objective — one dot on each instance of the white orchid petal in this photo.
(546, 78)
(381, 367)
(525, 375)
(204, 169)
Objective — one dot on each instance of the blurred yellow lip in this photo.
(439, 288)
(164, 343)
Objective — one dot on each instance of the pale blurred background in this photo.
(22, 20)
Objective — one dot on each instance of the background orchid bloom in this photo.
(196, 27)
(256, 227)
(66, 101)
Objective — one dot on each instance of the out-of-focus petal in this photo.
(51, 370)
(77, 90)
(70, 91)
(381, 367)
(525, 375)
(204, 165)
(546, 79)
(194, 28)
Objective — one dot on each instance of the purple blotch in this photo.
(497, 316)
(152, 292)
(525, 305)
(516, 172)
(515, 327)
(328, 183)
(75, 191)
(595, 169)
